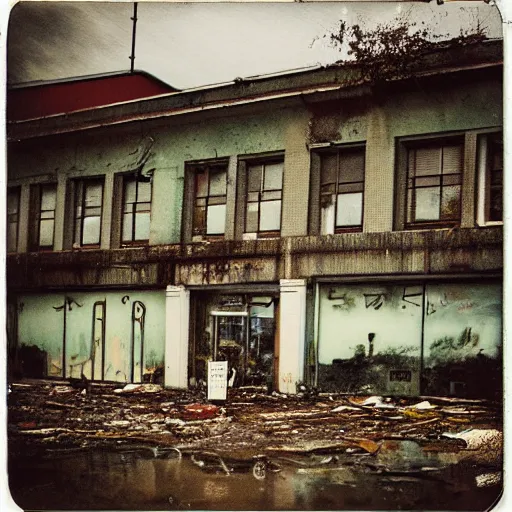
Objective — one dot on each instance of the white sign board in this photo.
(217, 380)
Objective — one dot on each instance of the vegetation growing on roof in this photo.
(393, 50)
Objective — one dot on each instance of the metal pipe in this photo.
(134, 32)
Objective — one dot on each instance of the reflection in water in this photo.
(401, 476)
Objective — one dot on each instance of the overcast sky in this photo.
(189, 45)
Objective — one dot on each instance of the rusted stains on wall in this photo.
(424, 252)
(226, 272)
(329, 118)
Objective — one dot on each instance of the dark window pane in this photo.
(350, 187)
(201, 183)
(253, 197)
(351, 167)
(451, 179)
(199, 220)
(427, 161)
(329, 168)
(430, 181)
(452, 159)
(217, 200)
(13, 201)
(272, 195)
(450, 204)
(217, 182)
(254, 178)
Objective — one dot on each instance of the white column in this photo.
(292, 332)
(177, 305)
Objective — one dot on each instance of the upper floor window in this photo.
(264, 197)
(136, 210)
(490, 179)
(210, 192)
(434, 182)
(13, 213)
(341, 190)
(43, 199)
(88, 211)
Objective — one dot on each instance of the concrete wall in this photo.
(380, 122)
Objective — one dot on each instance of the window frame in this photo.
(192, 168)
(339, 150)
(36, 196)
(9, 220)
(126, 178)
(403, 146)
(244, 164)
(484, 170)
(79, 186)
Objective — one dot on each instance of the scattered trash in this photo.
(488, 479)
(341, 408)
(200, 411)
(379, 402)
(62, 390)
(117, 423)
(139, 388)
(425, 405)
(27, 424)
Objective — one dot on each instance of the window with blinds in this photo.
(434, 178)
(342, 190)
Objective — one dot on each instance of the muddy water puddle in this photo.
(400, 476)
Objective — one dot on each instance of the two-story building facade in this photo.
(308, 227)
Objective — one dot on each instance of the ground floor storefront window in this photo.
(407, 339)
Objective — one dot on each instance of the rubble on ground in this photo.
(52, 414)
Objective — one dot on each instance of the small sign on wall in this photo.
(217, 380)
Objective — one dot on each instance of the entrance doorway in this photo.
(239, 329)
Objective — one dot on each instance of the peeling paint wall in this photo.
(42, 324)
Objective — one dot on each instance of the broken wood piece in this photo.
(60, 405)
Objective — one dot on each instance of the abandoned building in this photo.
(309, 227)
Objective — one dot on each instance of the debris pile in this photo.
(252, 422)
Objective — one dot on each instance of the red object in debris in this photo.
(27, 424)
(200, 411)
